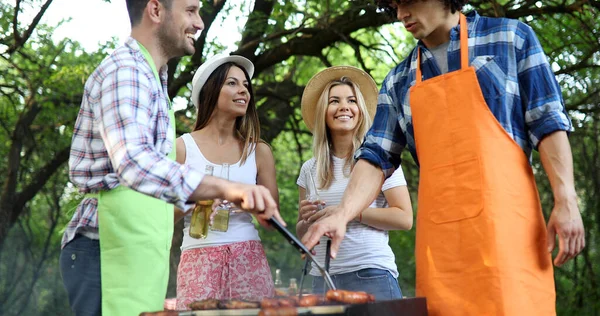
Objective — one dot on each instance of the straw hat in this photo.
(314, 88)
(211, 65)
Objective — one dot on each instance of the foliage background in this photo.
(41, 83)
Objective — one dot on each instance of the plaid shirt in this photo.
(514, 76)
(121, 138)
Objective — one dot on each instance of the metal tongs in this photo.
(302, 248)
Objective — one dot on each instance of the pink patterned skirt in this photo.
(236, 271)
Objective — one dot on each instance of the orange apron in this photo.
(481, 236)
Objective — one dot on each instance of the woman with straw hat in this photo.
(229, 263)
(338, 105)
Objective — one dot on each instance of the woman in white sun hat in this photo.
(338, 105)
(227, 264)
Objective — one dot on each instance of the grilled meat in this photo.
(269, 303)
(279, 301)
(222, 304)
(210, 303)
(278, 311)
(237, 304)
(349, 297)
(311, 300)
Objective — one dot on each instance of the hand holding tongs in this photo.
(302, 248)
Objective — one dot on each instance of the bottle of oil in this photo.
(280, 290)
(201, 214)
(293, 289)
(220, 220)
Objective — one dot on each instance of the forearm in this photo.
(166, 179)
(389, 218)
(364, 186)
(210, 188)
(565, 220)
(557, 160)
(127, 124)
(301, 228)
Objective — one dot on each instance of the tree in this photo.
(38, 106)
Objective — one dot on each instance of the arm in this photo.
(565, 219)
(397, 216)
(125, 109)
(301, 224)
(363, 187)
(305, 210)
(180, 158)
(547, 120)
(265, 164)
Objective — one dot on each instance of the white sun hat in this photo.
(207, 68)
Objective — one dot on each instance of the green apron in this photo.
(135, 241)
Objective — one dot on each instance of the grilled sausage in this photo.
(311, 300)
(288, 301)
(279, 301)
(237, 304)
(269, 303)
(210, 303)
(349, 297)
(278, 311)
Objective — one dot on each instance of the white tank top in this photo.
(241, 227)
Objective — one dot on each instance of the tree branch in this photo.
(312, 41)
(21, 40)
(256, 25)
(40, 179)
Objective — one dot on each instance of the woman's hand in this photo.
(315, 216)
(308, 209)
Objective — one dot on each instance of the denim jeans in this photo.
(80, 270)
(378, 282)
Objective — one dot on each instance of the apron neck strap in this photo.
(150, 61)
(464, 43)
(464, 49)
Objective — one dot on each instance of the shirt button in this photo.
(73, 257)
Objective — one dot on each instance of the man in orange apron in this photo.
(470, 102)
(115, 256)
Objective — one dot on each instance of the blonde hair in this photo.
(322, 137)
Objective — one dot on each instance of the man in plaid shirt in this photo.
(470, 103)
(121, 158)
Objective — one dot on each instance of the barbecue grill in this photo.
(415, 306)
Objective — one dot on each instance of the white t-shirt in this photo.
(241, 227)
(363, 246)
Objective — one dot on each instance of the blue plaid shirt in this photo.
(514, 76)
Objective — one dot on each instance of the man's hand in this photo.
(329, 222)
(255, 199)
(565, 221)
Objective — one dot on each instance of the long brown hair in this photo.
(247, 126)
